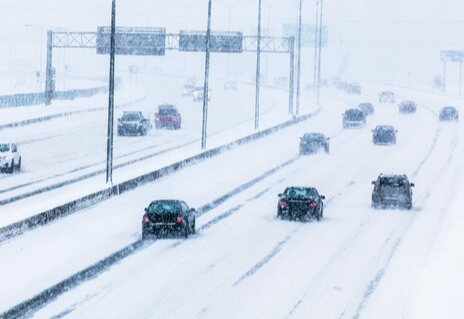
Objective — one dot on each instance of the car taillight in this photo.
(406, 188)
(146, 219)
(312, 205)
(180, 219)
(283, 203)
(377, 188)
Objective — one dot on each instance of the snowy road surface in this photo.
(243, 262)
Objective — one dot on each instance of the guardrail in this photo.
(76, 205)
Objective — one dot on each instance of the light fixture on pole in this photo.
(258, 67)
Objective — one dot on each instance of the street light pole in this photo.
(298, 67)
(109, 147)
(316, 30)
(258, 68)
(205, 88)
(319, 56)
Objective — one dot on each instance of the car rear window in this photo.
(352, 115)
(393, 181)
(300, 192)
(130, 117)
(167, 112)
(165, 207)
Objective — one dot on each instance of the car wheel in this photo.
(279, 213)
(193, 231)
(12, 167)
(144, 235)
(186, 230)
(18, 167)
(327, 149)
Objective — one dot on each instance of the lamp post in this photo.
(318, 86)
(258, 68)
(109, 148)
(298, 68)
(205, 88)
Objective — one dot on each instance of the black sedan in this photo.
(134, 123)
(449, 113)
(163, 217)
(312, 142)
(384, 135)
(302, 203)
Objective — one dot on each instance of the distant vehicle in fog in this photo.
(392, 191)
(10, 158)
(230, 85)
(189, 86)
(354, 118)
(384, 135)
(366, 108)
(164, 217)
(311, 143)
(168, 116)
(300, 203)
(387, 97)
(407, 107)
(198, 94)
(353, 88)
(133, 123)
(449, 113)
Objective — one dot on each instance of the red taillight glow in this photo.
(406, 188)
(283, 203)
(377, 188)
(145, 219)
(312, 205)
(180, 219)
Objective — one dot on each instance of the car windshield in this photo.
(383, 129)
(393, 181)
(167, 112)
(449, 110)
(295, 192)
(4, 148)
(130, 117)
(313, 137)
(160, 207)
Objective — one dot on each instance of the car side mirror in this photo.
(280, 195)
(328, 138)
(192, 209)
(119, 120)
(411, 184)
(373, 182)
(146, 209)
(322, 197)
(396, 131)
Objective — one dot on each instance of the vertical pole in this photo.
(291, 79)
(49, 70)
(316, 30)
(318, 86)
(298, 68)
(109, 146)
(258, 67)
(444, 76)
(205, 88)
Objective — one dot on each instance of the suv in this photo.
(407, 107)
(10, 158)
(133, 122)
(384, 134)
(387, 97)
(312, 142)
(167, 116)
(392, 191)
(354, 118)
(449, 113)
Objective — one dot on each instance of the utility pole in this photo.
(109, 146)
(205, 88)
(258, 68)
(319, 56)
(298, 67)
(316, 30)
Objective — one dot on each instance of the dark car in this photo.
(133, 123)
(302, 203)
(354, 118)
(366, 108)
(384, 135)
(312, 142)
(353, 88)
(392, 191)
(167, 116)
(163, 217)
(387, 97)
(407, 107)
(449, 113)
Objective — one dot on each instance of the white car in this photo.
(10, 158)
